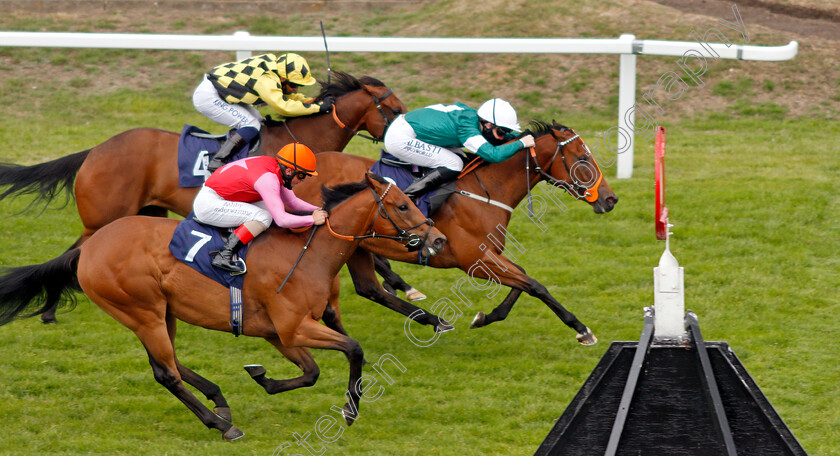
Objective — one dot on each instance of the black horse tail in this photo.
(39, 286)
(46, 179)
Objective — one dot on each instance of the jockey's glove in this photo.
(327, 104)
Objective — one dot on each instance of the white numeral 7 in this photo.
(202, 239)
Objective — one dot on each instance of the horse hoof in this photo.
(49, 320)
(233, 434)
(223, 413)
(443, 326)
(587, 338)
(391, 291)
(478, 321)
(348, 414)
(414, 295)
(255, 370)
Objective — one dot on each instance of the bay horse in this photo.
(126, 268)
(136, 171)
(476, 228)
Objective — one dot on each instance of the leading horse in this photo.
(476, 216)
(136, 172)
(126, 268)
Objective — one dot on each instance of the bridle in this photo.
(576, 188)
(411, 240)
(355, 130)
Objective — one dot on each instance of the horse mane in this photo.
(343, 83)
(539, 128)
(332, 196)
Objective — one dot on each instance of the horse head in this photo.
(393, 217)
(397, 214)
(570, 165)
(362, 104)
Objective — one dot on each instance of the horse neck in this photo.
(353, 217)
(505, 181)
(320, 132)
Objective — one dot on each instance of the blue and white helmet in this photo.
(500, 113)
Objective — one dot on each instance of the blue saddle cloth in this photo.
(192, 244)
(195, 152)
(402, 178)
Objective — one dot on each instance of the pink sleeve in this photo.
(293, 202)
(269, 188)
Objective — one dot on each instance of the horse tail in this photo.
(39, 286)
(46, 179)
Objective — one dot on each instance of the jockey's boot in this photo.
(234, 142)
(224, 259)
(430, 181)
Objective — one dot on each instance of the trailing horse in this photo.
(127, 269)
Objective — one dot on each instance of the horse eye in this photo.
(403, 207)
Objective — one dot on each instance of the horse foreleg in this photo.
(506, 272)
(499, 313)
(393, 282)
(364, 279)
(332, 314)
(314, 335)
(298, 355)
(209, 389)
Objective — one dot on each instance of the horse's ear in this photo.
(376, 177)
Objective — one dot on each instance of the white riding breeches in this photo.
(401, 141)
(212, 209)
(207, 101)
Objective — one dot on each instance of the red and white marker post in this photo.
(668, 282)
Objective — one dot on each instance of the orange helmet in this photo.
(298, 157)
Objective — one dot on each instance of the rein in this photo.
(355, 130)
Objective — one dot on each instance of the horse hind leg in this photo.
(166, 372)
(299, 356)
(209, 389)
(48, 317)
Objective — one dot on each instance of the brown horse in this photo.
(136, 172)
(126, 268)
(476, 229)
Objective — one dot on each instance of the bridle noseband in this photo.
(411, 240)
(355, 130)
(575, 188)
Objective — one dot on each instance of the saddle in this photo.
(402, 174)
(197, 147)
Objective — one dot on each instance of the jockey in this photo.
(433, 136)
(250, 193)
(228, 92)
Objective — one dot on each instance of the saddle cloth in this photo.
(193, 242)
(195, 149)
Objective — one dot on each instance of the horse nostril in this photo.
(612, 200)
(439, 243)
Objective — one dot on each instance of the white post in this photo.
(668, 298)
(624, 138)
(241, 34)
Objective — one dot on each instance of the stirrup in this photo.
(234, 272)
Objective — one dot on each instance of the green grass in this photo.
(751, 190)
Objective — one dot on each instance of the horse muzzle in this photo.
(433, 246)
(604, 204)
